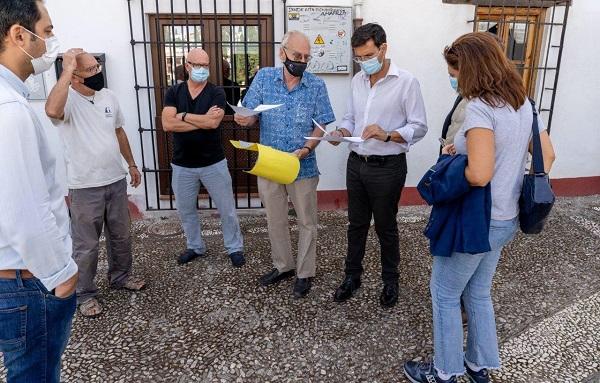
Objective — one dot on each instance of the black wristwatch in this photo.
(183, 116)
(389, 137)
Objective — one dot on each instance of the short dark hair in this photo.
(364, 33)
(23, 12)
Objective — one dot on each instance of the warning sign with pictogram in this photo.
(319, 40)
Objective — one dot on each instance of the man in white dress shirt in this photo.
(386, 109)
(37, 274)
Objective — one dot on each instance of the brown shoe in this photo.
(90, 308)
(134, 284)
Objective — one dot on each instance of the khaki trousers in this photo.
(303, 194)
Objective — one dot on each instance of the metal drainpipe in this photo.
(284, 16)
(357, 22)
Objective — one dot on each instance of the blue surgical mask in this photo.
(454, 83)
(199, 74)
(371, 66)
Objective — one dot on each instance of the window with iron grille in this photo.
(533, 34)
(239, 38)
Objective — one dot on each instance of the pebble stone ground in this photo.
(208, 322)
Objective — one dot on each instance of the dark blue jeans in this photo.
(34, 330)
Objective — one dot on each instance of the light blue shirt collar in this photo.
(14, 81)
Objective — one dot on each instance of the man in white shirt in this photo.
(90, 122)
(386, 109)
(37, 274)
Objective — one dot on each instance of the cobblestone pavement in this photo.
(208, 322)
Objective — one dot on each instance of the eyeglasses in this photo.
(297, 56)
(92, 70)
(360, 59)
(198, 65)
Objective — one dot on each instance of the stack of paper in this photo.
(246, 112)
(330, 138)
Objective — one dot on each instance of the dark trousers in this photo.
(374, 189)
(34, 330)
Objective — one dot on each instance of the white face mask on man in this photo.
(45, 61)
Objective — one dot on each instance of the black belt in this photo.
(375, 158)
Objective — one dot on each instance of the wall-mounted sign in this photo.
(329, 30)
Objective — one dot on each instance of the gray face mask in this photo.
(45, 61)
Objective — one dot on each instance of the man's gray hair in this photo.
(289, 34)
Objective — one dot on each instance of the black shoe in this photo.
(237, 259)
(389, 295)
(346, 289)
(481, 376)
(274, 276)
(188, 256)
(423, 372)
(302, 287)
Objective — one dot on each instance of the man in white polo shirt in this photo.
(90, 122)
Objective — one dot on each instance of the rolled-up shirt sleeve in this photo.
(416, 118)
(27, 224)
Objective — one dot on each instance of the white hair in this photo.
(289, 34)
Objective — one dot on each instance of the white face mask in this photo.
(45, 61)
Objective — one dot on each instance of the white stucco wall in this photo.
(417, 32)
(575, 127)
(100, 26)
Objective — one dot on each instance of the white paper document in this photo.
(331, 138)
(245, 144)
(246, 112)
(320, 127)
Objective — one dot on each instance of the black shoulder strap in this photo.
(448, 120)
(537, 157)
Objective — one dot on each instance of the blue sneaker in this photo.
(481, 376)
(237, 259)
(423, 372)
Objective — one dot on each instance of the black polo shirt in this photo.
(202, 147)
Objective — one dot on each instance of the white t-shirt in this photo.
(91, 146)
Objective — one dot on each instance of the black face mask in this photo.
(296, 68)
(96, 82)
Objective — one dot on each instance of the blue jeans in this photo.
(34, 330)
(217, 180)
(469, 275)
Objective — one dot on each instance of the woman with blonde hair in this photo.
(495, 137)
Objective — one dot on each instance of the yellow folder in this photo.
(272, 164)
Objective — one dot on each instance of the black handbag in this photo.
(537, 197)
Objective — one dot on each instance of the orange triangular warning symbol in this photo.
(319, 40)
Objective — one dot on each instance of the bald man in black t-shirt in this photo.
(193, 112)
